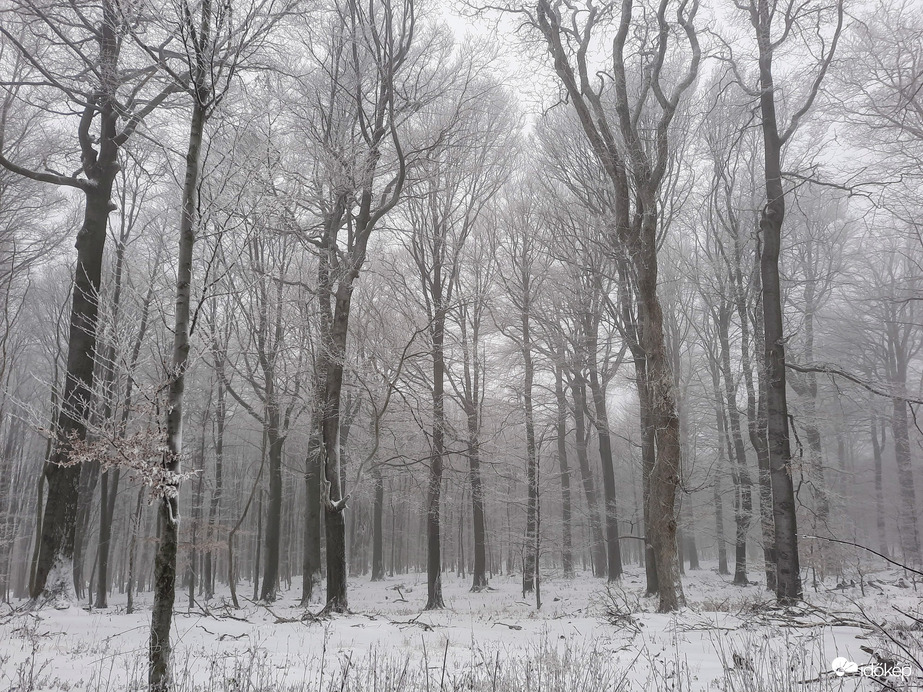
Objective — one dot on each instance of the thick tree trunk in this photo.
(274, 513)
(334, 499)
(664, 477)
(54, 568)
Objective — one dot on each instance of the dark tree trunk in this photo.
(274, 512)
(578, 389)
(54, 567)
(877, 444)
(907, 522)
(757, 424)
(601, 420)
(743, 503)
(159, 675)
(313, 524)
(378, 507)
(434, 494)
(567, 557)
(214, 508)
(530, 558)
(56, 553)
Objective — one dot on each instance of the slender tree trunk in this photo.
(529, 554)
(159, 677)
(214, 508)
(877, 444)
(567, 557)
(378, 572)
(578, 389)
(434, 495)
(743, 505)
(907, 522)
(313, 525)
(601, 420)
(788, 572)
(274, 514)
(757, 424)
(257, 546)
(133, 552)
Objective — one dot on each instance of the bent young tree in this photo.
(634, 151)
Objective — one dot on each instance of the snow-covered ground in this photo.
(585, 638)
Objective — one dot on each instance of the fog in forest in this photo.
(410, 345)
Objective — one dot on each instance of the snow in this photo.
(585, 637)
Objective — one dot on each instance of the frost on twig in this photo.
(143, 454)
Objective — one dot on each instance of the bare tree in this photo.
(791, 22)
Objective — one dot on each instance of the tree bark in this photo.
(601, 421)
(567, 557)
(877, 444)
(598, 549)
(378, 507)
(529, 549)
(437, 451)
(743, 503)
(159, 676)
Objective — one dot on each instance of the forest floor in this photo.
(585, 638)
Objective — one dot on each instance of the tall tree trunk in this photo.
(334, 498)
(378, 506)
(54, 569)
(598, 549)
(434, 493)
(214, 508)
(567, 557)
(274, 513)
(756, 421)
(313, 524)
(907, 521)
(159, 677)
(877, 444)
(665, 475)
(743, 505)
(601, 421)
(133, 552)
(529, 564)
(788, 572)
